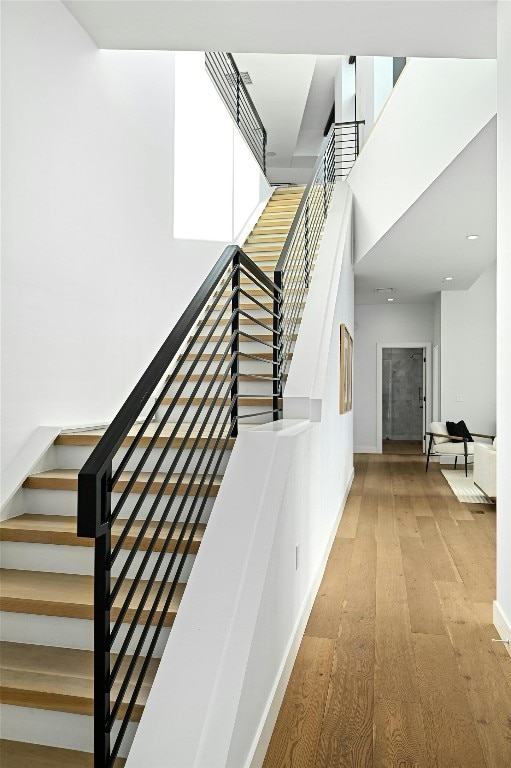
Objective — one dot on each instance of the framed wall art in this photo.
(346, 371)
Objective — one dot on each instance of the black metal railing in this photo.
(347, 146)
(229, 83)
(147, 485)
(296, 263)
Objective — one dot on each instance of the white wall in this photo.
(93, 280)
(293, 478)
(436, 108)
(380, 323)
(345, 91)
(374, 83)
(502, 607)
(468, 354)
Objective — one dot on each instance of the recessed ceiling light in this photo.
(390, 299)
(447, 279)
(271, 154)
(472, 237)
(384, 290)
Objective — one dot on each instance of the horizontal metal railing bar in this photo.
(259, 413)
(255, 320)
(98, 462)
(252, 356)
(254, 338)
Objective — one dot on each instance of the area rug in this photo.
(464, 487)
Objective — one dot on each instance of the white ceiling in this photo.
(429, 242)
(446, 28)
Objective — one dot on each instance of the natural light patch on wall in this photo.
(216, 178)
(203, 155)
(246, 182)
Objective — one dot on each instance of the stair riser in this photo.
(250, 347)
(55, 729)
(253, 386)
(49, 502)
(62, 632)
(190, 413)
(79, 560)
(70, 457)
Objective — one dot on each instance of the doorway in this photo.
(403, 407)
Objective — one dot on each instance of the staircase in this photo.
(46, 594)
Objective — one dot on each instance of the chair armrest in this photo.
(451, 437)
(477, 434)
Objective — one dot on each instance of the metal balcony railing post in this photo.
(277, 345)
(306, 245)
(235, 344)
(325, 179)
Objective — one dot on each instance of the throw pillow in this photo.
(458, 430)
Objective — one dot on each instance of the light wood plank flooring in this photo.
(396, 668)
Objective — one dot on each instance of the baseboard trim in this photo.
(502, 625)
(269, 718)
(365, 449)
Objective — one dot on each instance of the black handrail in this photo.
(133, 592)
(228, 81)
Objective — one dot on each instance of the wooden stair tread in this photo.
(61, 529)
(93, 436)
(18, 754)
(72, 595)
(61, 679)
(67, 480)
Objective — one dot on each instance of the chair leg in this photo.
(455, 462)
(429, 451)
(466, 457)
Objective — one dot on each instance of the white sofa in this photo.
(485, 468)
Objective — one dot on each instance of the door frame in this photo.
(380, 346)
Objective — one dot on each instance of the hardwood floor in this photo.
(396, 668)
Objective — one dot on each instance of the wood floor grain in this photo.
(397, 668)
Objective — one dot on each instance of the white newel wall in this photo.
(263, 554)
(93, 276)
(375, 323)
(502, 606)
(468, 357)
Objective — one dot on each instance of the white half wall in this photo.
(502, 607)
(232, 647)
(468, 356)
(92, 277)
(435, 109)
(374, 323)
